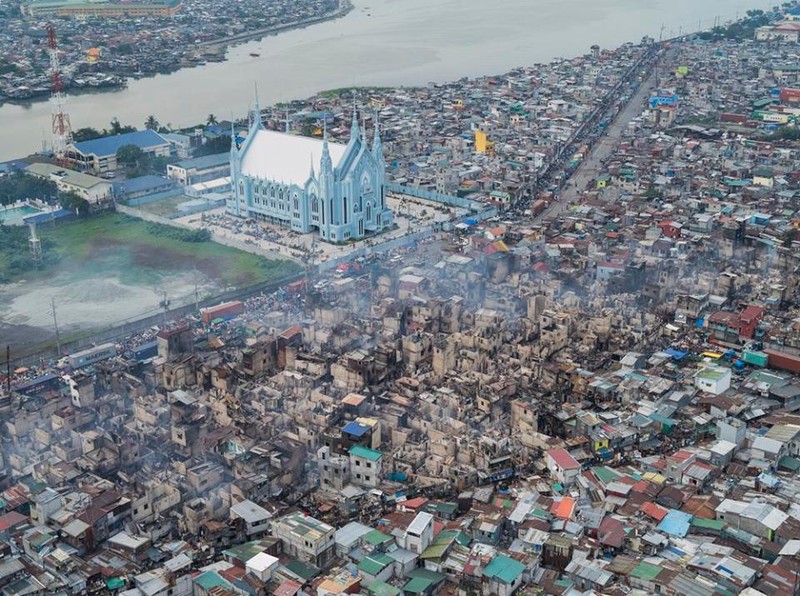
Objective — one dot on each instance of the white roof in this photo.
(261, 562)
(285, 158)
(420, 523)
(250, 512)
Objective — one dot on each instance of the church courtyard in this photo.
(411, 215)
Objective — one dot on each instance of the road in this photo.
(591, 166)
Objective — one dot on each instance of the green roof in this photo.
(375, 563)
(790, 463)
(376, 537)
(707, 524)
(301, 570)
(646, 571)
(504, 568)
(604, 474)
(417, 585)
(246, 551)
(212, 579)
(383, 589)
(364, 452)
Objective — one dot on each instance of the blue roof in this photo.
(144, 139)
(676, 354)
(356, 429)
(206, 161)
(143, 183)
(40, 218)
(675, 523)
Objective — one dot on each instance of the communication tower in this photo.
(36, 246)
(61, 127)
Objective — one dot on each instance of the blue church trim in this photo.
(340, 193)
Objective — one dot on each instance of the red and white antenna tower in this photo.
(62, 130)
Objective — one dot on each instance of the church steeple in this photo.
(377, 146)
(326, 162)
(311, 174)
(256, 122)
(354, 127)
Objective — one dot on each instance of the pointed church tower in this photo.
(354, 133)
(235, 170)
(377, 146)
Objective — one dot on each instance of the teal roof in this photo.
(301, 570)
(383, 589)
(376, 537)
(212, 579)
(375, 563)
(504, 568)
(364, 452)
(417, 585)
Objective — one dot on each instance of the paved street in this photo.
(591, 166)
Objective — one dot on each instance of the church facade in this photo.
(311, 185)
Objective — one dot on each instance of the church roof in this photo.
(285, 158)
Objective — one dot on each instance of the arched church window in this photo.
(296, 202)
(369, 211)
(314, 204)
(344, 206)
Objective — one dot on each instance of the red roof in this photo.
(564, 508)
(563, 459)
(12, 519)
(751, 312)
(655, 511)
(414, 503)
(287, 588)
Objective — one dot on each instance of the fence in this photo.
(218, 238)
(436, 197)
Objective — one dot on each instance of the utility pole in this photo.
(55, 324)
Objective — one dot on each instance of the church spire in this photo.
(354, 126)
(326, 154)
(311, 175)
(377, 146)
(257, 110)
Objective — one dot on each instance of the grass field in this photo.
(141, 252)
(164, 207)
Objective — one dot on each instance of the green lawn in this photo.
(141, 252)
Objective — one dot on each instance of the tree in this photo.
(220, 144)
(74, 202)
(118, 129)
(151, 123)
(130, 155)
(86, 134)
(211, 120)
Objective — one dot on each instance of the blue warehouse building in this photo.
(311, 185)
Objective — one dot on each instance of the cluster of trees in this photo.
(88, 133)
(740, 30)
(139, 163)
(19, 186)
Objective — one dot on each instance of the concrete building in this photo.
(86, 186)
(365, 466)
(562, 466)
(308, 184)
(100, 155)
(306, 538)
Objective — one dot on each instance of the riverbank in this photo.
(380, 43)
(214, 50)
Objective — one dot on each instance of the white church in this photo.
(309, 184)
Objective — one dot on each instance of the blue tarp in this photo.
(676, 354)
(675, 523)
(356, 429)
(471, 221)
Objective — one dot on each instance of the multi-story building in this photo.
(311, 185)
(306, 538)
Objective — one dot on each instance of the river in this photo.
(381, 42)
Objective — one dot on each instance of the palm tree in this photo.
(211, 120)
(151, 123)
